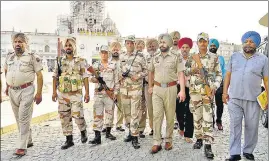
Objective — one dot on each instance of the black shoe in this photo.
(84, 137)
(109, 135)
(104, 130)
(135, 142)
(248, 156)
(29, 145)
(120, 128)
(234, 158)
(175, 126)
(151, 132)
(128, 137)
(208, 151)
(198, 144)
(69, 142)
(97, 139)
(141, 135)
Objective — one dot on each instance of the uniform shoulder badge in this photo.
(10, 53)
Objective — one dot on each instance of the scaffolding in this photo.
(85, 14)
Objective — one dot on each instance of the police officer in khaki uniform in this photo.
(21, 67)
(165, 70)
(71, 79)
(133, 70)
(108, 70)
(175, 36)
(152, 47)
(115, 49)
(0, 86)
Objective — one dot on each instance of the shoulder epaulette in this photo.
(9, 53)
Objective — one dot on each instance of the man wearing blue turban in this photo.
(213, 48)
(244, 75)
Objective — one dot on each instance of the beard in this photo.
(213, 50)
(185, 54)
(69, 52)
(163, 49)
(249, 50)
(18, 50)
(115, 55)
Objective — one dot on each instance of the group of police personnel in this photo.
(166, 79)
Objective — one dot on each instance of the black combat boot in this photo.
(69, 142)
(84, 137)
(135, 142)
(208, 151)
(129, 136)
(97, 139)
(109, 135)
(198, 144)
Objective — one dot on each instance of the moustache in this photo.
(69, 51)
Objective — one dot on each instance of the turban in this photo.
(167, 38)
(203, 35)
(175, 34)
(115, 45)
(140, 42)
(254, 36)
(72, 41)
(152, 42)
(183, 41)
(215, 42)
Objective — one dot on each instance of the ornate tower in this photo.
(86, 14)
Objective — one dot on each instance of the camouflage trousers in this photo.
(22, 106)
(71, 105)
(131, 103)
(120, 111)
(102, 102)
(146, 108)
(202, 116)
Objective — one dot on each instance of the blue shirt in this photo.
(247, 75)
(222, 66)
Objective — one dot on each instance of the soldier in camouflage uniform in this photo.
(152, 47)
(115, 49)
(140, 46)
(71, 79)
(200, 97)
(108, 70)
(175, 36)
(133, 69)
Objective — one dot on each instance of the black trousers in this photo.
(184, 116)
(219, 103)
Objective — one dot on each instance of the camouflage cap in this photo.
(104, 48)
(130, 38)
(203, 35)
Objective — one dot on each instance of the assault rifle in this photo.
(204, 74)
(105, 87)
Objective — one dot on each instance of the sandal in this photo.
(188, 140)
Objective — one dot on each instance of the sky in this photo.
(225, 20)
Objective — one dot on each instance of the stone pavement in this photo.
(48, 138)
